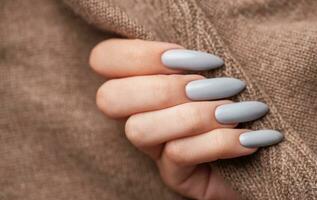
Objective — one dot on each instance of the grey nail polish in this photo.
(240, 112)
(260, 138)
(213, 88)
(190, 60)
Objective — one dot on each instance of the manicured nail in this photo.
(213, 88)
(261, 138)
(190, 60)
(240, 112)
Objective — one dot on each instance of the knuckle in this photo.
(100, 96)
(176, 153)
(95, 55)
(105, 100)
(99, 56)
(133, 131)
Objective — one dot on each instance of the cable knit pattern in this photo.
(269, 44)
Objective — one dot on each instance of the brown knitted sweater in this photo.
(55, 144)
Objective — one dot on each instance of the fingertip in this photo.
(94, 57)
(106, 102)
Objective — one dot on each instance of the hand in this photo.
(169, 118)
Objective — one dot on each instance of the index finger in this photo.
(132, 57)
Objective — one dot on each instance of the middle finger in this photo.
(127, 96)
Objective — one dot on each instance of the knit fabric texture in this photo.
(55, 144)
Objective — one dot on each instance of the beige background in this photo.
(55, 144)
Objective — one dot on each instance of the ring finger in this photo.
(152, 129)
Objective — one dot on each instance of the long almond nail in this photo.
(190, 60)
(213, 88)
(240, 112)
(260, 138)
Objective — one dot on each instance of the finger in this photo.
(180, 164)
(175, 122)
(127, 96)
(125, 57)
(186, 120)
(217, 144)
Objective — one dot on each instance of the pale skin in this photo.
(181, 136)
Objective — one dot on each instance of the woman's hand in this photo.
(169, 118)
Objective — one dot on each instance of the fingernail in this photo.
(260, 138)
(190, 60)
(213, 88)
(240, 112)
